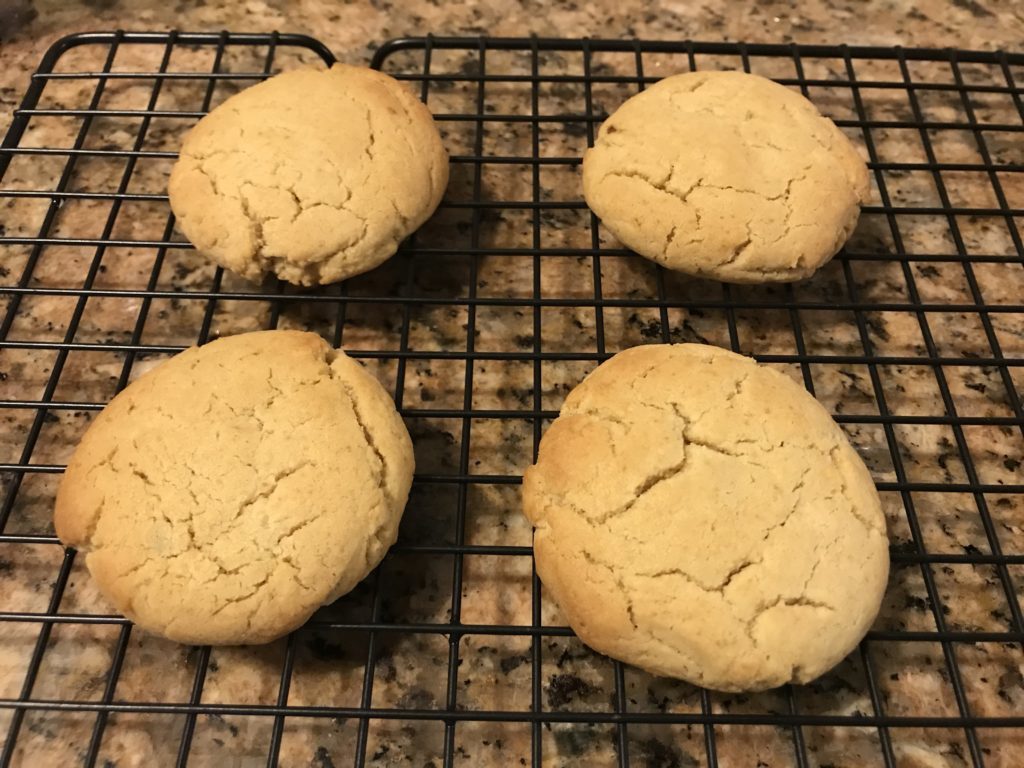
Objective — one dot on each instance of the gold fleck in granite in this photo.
(496, 671)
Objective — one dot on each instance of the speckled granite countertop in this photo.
(496, 671)
(353, 30)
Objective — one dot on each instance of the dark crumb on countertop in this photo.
(905, 547)
(973, 7)
(1011, 680)
(42, 729)
(510, 663)
(877, 326)
(322, 758)
(417, 698)
(916, 603)
(191, 654)
(563, 688)
(652, 331)
(568, 654)
(659, 702)
(657, 754)
(385, 662)
(219, 722)
(575, 740)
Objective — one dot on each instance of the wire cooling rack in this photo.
(450, 653)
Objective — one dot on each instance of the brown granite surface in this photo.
(496, 671)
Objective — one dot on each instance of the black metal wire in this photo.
(664, 302)
(536, 598)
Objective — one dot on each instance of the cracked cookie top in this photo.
(726, 175)
(313, 175)
(701, 516)
(227, 494)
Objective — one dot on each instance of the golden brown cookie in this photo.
(701, 516)
(231, 491)
(726, 175)
(313, 175)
